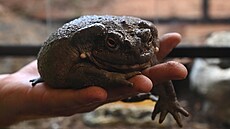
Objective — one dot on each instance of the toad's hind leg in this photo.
(36, 81)
(168, 103)
(141, 97)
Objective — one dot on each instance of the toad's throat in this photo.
(123, 68)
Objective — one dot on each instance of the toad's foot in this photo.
(164, 107)
(36, 81)
(141, 97)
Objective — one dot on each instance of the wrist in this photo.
(7, 117)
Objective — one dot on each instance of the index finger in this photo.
(167, 43)
(166, 71)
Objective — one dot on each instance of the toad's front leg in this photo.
(168, 103)
(85, 74)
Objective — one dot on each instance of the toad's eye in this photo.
(112, 44)
(150, 39)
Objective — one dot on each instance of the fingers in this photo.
(54, 102)
(167, 43)
(166, 71)
(75, 97)
(141, 83)
(68, 102)
(83, 100)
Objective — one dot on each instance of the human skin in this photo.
(20, 101)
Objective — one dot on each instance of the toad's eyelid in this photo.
(117, 35)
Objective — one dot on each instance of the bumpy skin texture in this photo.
(105, 51)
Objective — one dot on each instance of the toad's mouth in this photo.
(124, 68)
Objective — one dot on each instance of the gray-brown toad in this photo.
(105, 51)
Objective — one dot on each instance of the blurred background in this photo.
(205, 92)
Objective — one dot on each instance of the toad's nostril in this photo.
(144, 34)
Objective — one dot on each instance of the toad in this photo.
(105, 51)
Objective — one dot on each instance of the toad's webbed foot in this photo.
(165, 107)
(36, 81)
(141, 97)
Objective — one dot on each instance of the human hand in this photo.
(20, 101)
(169, 70)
